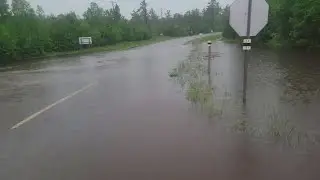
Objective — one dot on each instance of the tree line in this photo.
(26, 32)
(292, 24)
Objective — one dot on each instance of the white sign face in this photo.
(239, 16)
(246, 48)
(247, 41)
(85, 40)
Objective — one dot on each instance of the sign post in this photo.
(85, 41)
(209, 63)
(246, 56)
(248, 18)
(209, 57)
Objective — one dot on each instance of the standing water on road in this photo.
(282, 110)
(136, 124)
(110, 109)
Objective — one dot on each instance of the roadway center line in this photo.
(51, 106)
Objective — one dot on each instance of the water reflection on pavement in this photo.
(137, 124)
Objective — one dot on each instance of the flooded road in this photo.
(283, 92)
(134, 122)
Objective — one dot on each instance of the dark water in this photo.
(136, 124)
(279, 126)
(283, 93)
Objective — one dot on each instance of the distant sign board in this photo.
(85, 40)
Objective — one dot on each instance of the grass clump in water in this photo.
(276, 128)
(192, 75)
(288, 132)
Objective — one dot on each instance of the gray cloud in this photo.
(79, 6)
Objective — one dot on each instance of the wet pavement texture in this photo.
(135, 122)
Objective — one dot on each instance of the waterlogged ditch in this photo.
(224, 107)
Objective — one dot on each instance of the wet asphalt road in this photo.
(131, 123)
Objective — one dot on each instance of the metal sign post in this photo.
(248, 18)
(246, 56)
(209, 56)
(209, 63)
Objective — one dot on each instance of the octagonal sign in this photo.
(239, 16)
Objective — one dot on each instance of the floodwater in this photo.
(282, 94)
(135, 122)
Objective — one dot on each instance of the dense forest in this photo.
(292, 23)
(26, 32)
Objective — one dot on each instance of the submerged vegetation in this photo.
(277, 128)
(192, 75)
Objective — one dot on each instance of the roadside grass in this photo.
(193, 41)
(230, 41)
(204, 38)
(116, 47)
(213, 38)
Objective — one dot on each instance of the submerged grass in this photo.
(191, 74)
(277, 128)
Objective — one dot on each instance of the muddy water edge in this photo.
(276, 134)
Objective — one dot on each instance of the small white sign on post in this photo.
(246, 44)
(246, 48)
(246, 41)
(85, 40)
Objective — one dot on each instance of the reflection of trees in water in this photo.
(191, 74)
(297, 76)
(302, 77)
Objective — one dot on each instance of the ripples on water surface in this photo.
(283, 92)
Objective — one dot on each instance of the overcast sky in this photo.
(79, 6)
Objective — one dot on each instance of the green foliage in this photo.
(293, 23)
(4, 8)
(194, 21)
(27, 33)
(228, 32)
